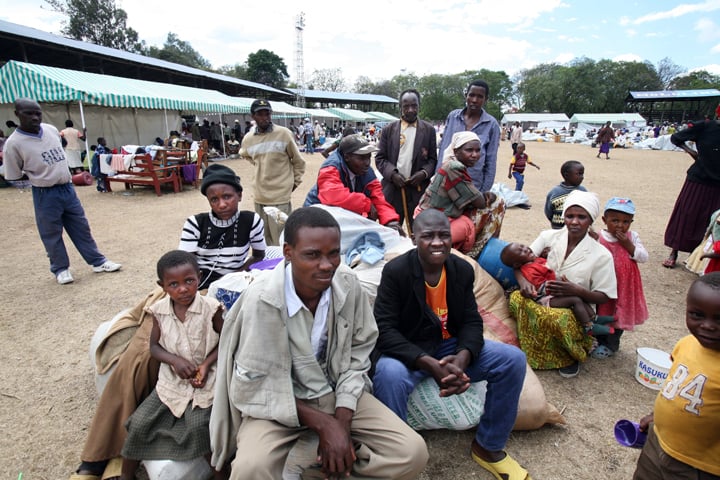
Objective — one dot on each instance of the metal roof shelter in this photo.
(25, 44)
(345, 99)
(675, 106)
(528, 120)
(617, 119)
(351, 114)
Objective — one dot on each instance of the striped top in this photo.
(222, 246)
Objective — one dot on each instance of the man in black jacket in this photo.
(429, 325)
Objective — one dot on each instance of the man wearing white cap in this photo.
(279, 167)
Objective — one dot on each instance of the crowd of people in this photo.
(302, 351)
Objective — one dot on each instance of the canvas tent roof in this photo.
(350, 114)
(672, 95)
(601, 118)
(382, 116)
(534, 117)
(344, 97)
(57, 85)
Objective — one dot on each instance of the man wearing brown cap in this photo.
(279, 167)
(346, 180)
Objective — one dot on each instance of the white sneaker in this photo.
(108, 266)
(64, 277)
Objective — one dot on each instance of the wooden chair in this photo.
(144, 172)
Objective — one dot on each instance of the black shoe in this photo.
(570, 371)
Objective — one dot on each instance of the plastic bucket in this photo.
(82, 179)
(652, 367)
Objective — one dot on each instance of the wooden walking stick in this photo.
(405, 210)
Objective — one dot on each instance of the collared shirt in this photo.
(408, 132)
(318, 337)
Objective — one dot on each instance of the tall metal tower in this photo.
(299, 64)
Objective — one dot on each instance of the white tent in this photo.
(617, 119)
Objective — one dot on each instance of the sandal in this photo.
(602, 352)
(113, 469)
(505, 469)
(669, 262)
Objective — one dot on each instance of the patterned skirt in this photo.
(550, 337)
(488, 222)
(154, 433)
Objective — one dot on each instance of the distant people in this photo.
(406, 157)
(195, 132)
(73, 147)
(172, 422)
(515, 136)
(34, 150)
(700, 194)
(346, 180)
(604, 138)
(95, 170)
(335, 144)
(205, 130)
(520, 160)
(216, 136)
(429, 326)
(573, 173)
(279, 166)
(683, 439)
(475, 119)
(237, 130)
(227, 131)
(309, 137)
(294, 359)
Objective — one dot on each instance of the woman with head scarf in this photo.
(551, 337)
(474, 216)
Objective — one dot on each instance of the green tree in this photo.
(238, 70)
(179, 51)
(99, 22)
(697, 80)
(363, 84)
(328, 80)
(267, 68)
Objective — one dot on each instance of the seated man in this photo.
(346, 180)
(294, 356)
(429, 325)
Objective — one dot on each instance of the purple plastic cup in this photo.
(628, 434)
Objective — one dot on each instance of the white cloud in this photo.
(680, 10)
(564, 57)
(631, 32)
(715, 49)
(707, 30)
(624, 21)
(713, 68)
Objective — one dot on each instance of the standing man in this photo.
(406, 157)
(279, 167)
(73, 147)
(309, 136)
(515, 136)
(35, 149)
(604, 137)
(293, 359)
(237, 130)
(429, 326)
(474, 118)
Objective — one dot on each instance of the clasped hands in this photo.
(448, 372)
(415, 179)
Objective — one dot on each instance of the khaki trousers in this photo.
(385, 446)
(272, 229)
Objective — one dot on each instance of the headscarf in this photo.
(587, 200)
(458, 140)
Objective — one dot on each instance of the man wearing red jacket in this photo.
(346, 180)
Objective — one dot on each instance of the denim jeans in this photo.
(503, 366)
(56, 208)
(519, 181)
(309, 139)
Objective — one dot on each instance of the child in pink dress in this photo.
(627, 250)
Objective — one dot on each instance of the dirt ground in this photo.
(48, 396)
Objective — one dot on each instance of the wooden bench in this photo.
(143, 171)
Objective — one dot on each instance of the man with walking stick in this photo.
(406, 157)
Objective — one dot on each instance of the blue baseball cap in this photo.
(620, 204)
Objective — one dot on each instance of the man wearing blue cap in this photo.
(279, 167)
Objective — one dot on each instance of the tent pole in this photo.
(222, 135)
(167, 128)
(82, 121)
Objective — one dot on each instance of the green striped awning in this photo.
(382, 116)
(350, 114)
(57, 85)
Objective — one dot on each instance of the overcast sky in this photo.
(380, 39)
